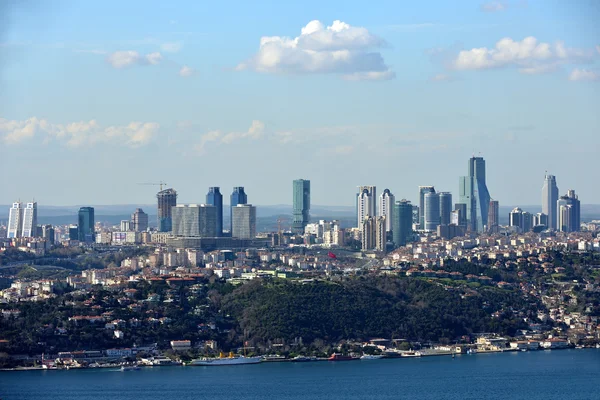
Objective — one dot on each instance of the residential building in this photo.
(85, 227)
(365, 203)
(380, 233)
(540, 219)
(422, 191)
(550, 200)
(369, 233)
(569, 212)
(402, 224)
(215, 198)
(125, 225)
(386, 208)
(493, 216)
(238, 196)
(244, 221)
(194, 220)
(167, 199)
(474, 193)
(15, 221)
(301, 205)
(29, 220)
(139, 220)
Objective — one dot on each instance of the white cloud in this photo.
(528, 54)
(172, 47)
(494, 6)
(123, 59)
(336, 49)
(255, 132)
(211, 136)
(584, 75)
(76, 134)
(186, 71)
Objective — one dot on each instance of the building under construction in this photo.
(166, 200)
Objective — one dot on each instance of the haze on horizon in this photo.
(97, 97)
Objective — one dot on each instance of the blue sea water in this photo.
(559, 374)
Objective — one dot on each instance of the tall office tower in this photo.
(569, 212)
(527, 221)
(380, 233)
(215, 198)
(73, 232)
(403, 220)
(415, 214)
(301, 205)
(365, 203)
(540, 219)
(238, 196)
(386, 208)
(461, 212)
(474, 193)
(422, 191)
(139, 220)
(48, 233)
(15, 221)
(549, 200)
(445, 207)
(515, 218)
(85, 228)
(167, 199)
(493, 216)
(244, 221)
(368, 230)
(432, 211)
(29, 220)
(125, 225)
(194, 220)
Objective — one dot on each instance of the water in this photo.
(564, 374)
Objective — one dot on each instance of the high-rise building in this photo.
(29, 220)
(85, 227)
(460, 210)
(215, 198)
(540, 219)
(194, 220)
(48, 233)
(167, 199)
(380, 233)
(368, 230)
(432, 211)
(139, 220)
(15, 221)
(527, 221)
(422, 191)
(493, 216)
(125, 225)
(523, 220)
(301, 205)
(244, 221)
(549, 200)
(365, 203)
(445, 207)
(238, 196)
(569, 212)
(403, 220)
(386, 208)
(474, 193)
(73, 232)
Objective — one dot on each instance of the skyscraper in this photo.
(139, 220)
(569, 212)
(403, 218)
(380, 233)
(461, 214)
(301, 205)
(422, 191)
(365, 203)
(167, 199)
(445, 207)
(432, 211)
(386, 208)
(194, 220)
(523, 220)
(48, 233)
(85, 228)
(493, 216)
(238, 196)
(540, 220)
(215, 198)
(29, 220)
(368, 230)
(474, 193)
(15, 221)
(244, 221)
(549, 200)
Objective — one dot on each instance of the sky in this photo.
(99, 96)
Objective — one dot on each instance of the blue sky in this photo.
(98, 96)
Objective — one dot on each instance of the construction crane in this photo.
(161, 184)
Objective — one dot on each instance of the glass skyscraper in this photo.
(244, 221)
(215, 198)
(85, 226)
(432, 211)
(167, 199)
(474, 193)
(422, 191)
(402, 222)
(238, 196)
(549, 200)
(301, 205)
(194, 220)
(445, 207)
(569, 212)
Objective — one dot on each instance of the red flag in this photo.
(331, 255)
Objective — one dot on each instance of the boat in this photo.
(304, 359)
(371, 356)
(341, 357)
(130, 368)
(229, 360)
(471, 351)
(411, 354)
(273, 357)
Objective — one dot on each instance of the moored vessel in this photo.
(223, 360)
(341, 357)
(371, 356)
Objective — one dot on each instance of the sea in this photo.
(558, 374)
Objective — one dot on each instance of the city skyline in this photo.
(166, 94)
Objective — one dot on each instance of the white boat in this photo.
(411, 354)
(230, 360)
(471, 351)
(371, 356)
(304, 359)
(130, 368)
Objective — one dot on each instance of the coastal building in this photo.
(365, 203)
(474, 193)
(550, 200)
(244, 221)
(215, 198)
(301, 205)
(167, 199)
